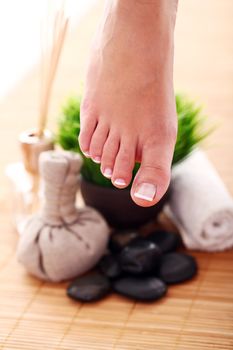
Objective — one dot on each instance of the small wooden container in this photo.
(32, 146)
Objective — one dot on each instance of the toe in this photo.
(85, 136)
(153, 177)
(109, 154)
(97, 142)
(124, 164)
(88, 124)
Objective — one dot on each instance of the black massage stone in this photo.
(91, 287)
(165, 240)
(139, 257)
(110, 266)
(176, 268)
(143, 288)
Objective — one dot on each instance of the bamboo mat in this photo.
(195, 315)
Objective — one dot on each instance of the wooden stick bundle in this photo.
(49, 61)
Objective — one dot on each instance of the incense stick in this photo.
(50, 58)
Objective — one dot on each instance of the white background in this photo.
(20, 34)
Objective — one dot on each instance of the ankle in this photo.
(163, 11)
(148, 21)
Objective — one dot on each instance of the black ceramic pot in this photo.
(117, 206)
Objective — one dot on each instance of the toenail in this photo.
(146, 191)
(120, 182)
(108, 173)
(96, 160)
(86, 153)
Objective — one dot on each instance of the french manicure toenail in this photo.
(108, 173)
(146, 191)
(86, 153)
(120, 182)
(96, 159)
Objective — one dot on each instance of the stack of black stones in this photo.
(137, 267)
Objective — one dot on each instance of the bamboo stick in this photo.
(50, 58)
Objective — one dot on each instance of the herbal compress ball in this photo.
(61, 241)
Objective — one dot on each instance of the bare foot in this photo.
(128, 111)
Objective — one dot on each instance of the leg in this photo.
(128, 111)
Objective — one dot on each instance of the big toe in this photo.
(153, 177)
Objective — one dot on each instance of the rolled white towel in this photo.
(200, 205)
